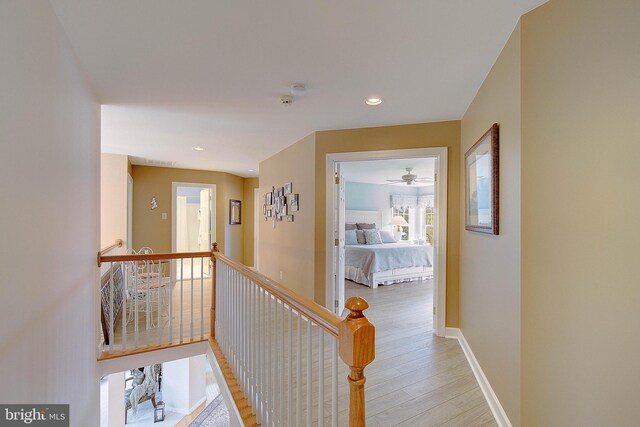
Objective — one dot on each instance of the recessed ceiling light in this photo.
(373, 101)
(251, 170)
(198, 148)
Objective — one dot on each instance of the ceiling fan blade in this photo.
(395, 180)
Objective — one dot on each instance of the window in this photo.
(404, 212)
(429, 224)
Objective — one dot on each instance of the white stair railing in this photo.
(154, 300)
(283, 349)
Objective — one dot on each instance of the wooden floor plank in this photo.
(417, 379)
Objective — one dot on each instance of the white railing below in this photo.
(155, 299)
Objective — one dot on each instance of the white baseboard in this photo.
(186, 411)
(494, 404)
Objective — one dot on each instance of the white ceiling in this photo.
(177, 74)
(379, 171)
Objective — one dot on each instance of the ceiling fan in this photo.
(409, 178)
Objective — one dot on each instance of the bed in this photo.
(385, 263)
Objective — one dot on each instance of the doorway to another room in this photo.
(386, 231)
(193, 225)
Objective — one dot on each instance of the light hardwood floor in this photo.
(156, 335)
(417, 378)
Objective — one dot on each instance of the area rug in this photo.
(214, 414)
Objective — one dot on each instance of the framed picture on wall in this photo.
(293, 202)
(288, 188)
(481, 184)
(235, 212)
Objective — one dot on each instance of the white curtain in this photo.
(403, 201)
(425, 201)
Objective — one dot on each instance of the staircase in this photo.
(286, 360)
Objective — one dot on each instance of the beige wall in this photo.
(490, 265)
(113, 198)
(50, 220)
(441, 134)
(149, 229)
(248, 220)
(290, 246)
(580, 222)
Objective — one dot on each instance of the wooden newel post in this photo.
(357, 349)
(214, 249)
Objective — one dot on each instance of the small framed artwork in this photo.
(288, 188)
(481, 193)
(235, 212)
(269, 212)
(289, 218)
(268, 199)
(264, 210)
(293, 202)
(281, 191)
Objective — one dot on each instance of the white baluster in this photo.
(321, 377)
(309, 374)
(263, 369)
(243, 281)
(334, 385)
(125, 314)
(171, 301)
(274, 365)
(281, 337)
(290, 369)
(147, 302)
(191, 305)
(299, 375)
(181, 294)
(252, 349)
(111, 302)
(135, 311)
(202, 299)
(159, 301)
(269, 365)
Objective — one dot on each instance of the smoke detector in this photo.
(286, 99)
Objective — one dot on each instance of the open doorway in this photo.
(193, 225)
(405, 211)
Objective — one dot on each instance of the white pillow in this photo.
(372, 237)
(387, 237)
(350, 237)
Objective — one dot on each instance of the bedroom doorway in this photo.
(401, 195)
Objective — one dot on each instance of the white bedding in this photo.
(387, 256)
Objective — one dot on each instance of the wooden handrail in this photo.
(309, 308)
(102, 252)
(154, 257)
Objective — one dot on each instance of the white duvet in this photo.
(387, 256)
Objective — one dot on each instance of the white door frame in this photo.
(440, 244)
(129, 212)
(174, 188)
(256, 227)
